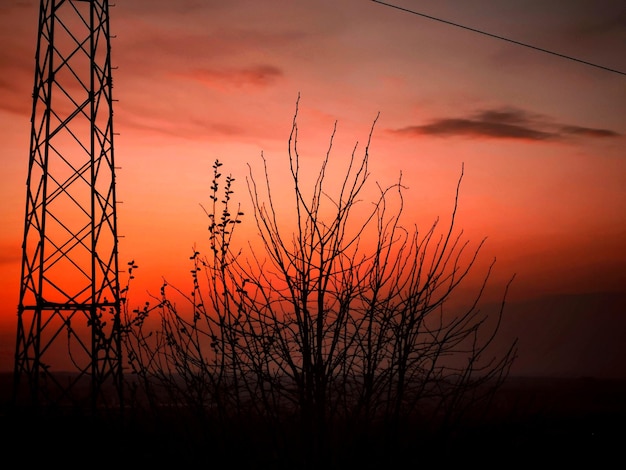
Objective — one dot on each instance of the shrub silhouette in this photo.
(335, 337)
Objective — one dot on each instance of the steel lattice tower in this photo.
(68, 348)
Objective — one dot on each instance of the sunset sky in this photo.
(542, 138)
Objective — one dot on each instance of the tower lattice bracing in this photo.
(68, 348)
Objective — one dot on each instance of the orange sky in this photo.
(542, 138)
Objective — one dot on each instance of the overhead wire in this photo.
(502, 38)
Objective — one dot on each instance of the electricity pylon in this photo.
(68, 348)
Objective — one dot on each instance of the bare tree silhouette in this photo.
(337, 332)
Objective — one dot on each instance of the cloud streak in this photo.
(259, 76)
(506, 123)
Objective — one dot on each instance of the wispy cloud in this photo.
(258, 76)
(194, 128)
(10, 254)
(16, 5)
(506, 123)
(16, 79)
(16, 100)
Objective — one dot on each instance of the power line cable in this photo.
(499, 37)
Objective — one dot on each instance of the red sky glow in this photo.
(542, 139)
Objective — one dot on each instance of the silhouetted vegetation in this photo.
(334, 340)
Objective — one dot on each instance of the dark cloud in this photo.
(588, 132)
(509, 123)
(611, 19)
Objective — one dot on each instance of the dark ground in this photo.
(534, 421)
